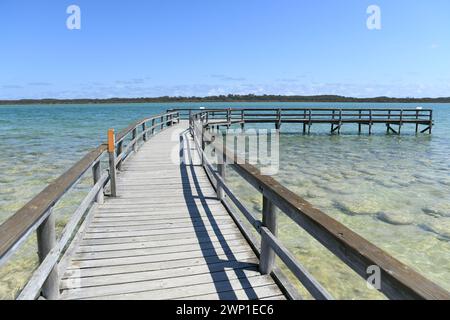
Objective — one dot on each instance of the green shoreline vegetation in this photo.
(229, 98)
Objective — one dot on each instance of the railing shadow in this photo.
(220, 278)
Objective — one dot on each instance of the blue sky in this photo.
(208, 47)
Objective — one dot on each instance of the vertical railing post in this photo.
(144, 135)
(332, 121)
(359, 123)
(112, 161)
(203, 142)
(400, 124)
(178, 117)
(221, 167)
(190, 117)
(46, 241)
(304, 121)
(310, 121)
(97, 174)
(228, 118)
(133, 138)
(267, 257)
(278, 123)
(431, 121)
(370, 121)
(119, 154)
(417, 121)
(153, 126)
(162, 123)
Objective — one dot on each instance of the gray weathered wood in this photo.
(358, 253)
(151, 236)
(267, 257)
(46, 241)
(308, 281)
(97, 174)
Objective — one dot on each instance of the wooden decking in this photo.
(165, 236)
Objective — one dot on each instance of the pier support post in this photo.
(144, 135)
(112, 161)
(203, 144)
(310, 121)
(46, 241)
(359, 124)
(118, 153)
(431, 121)
(278, 123)
(221, 167)
(133, 137)
(97, 174)
(267, 258)
(304, 121)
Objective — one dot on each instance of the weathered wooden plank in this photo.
(154, 221)
(155, 238)
(265, 292)
(205, 234)
(199, 223)
(187, 286)
(85, 256)
(160, 243)
(150, 231)
(73, 272)
(209, 254)
(122, 278)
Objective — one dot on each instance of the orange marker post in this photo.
(111, 141)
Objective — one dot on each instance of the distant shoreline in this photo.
(228, 98)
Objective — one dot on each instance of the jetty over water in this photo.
(393, 119)
(161, 222)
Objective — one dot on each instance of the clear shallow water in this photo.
(392, 190)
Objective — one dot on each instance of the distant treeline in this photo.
(230, 98)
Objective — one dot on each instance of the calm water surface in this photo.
(393, 190)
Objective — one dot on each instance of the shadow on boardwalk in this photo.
(219, 276)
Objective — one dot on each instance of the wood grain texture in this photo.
(165, 236)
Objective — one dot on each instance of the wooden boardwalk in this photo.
(165, 236)
(161, 222)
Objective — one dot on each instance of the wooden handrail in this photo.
(398, 281)
(37, 213)
(16, 226)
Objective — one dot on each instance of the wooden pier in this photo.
(160, 222)
(393, 119)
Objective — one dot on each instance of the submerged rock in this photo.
(438, 210)
(359, 207)
(316, 193)
(441, 227)
(397, 218)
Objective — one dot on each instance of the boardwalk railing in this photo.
(37, 215)
(393, 119)
(398, 281)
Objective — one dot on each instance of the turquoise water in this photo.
(393, 190)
